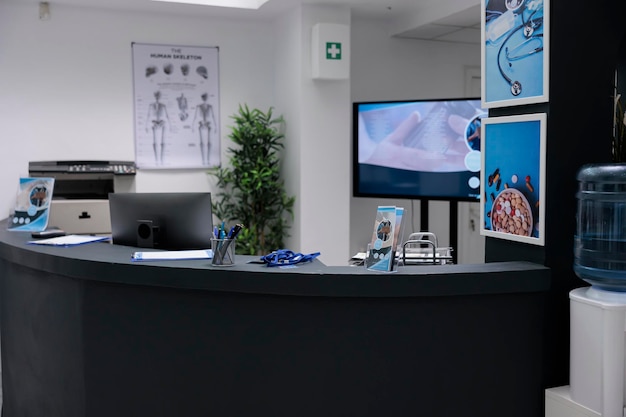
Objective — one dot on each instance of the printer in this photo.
(80, 197)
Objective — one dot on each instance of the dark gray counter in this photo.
(87, 332)
(105, 262)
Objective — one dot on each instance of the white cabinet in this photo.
(560, 404)
(597, 332)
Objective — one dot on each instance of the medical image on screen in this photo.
(417, 148)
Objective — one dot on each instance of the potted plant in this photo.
(252, 191)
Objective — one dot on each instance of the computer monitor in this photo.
(417, 149)
(172, 221)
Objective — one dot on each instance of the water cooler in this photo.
(80, 200)
(598, 312)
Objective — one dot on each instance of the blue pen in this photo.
(216, 234)
(231, 232)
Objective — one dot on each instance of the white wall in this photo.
(325, 175)
(67, 85)
(318, 112)
(66, 93)
(386, 68)
(288, 73)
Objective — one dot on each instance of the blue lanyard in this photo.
(285, 257)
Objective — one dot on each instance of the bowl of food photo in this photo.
(511, 213)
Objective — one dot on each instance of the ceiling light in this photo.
(240, 4)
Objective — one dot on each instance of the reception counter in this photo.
(87, 332)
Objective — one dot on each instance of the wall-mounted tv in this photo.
(418, 149)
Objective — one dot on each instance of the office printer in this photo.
(80, 198)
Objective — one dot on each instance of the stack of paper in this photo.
(69, 240)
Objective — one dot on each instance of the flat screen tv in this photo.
(172, 221)
(417, 149)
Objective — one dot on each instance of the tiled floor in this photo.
(0, 388)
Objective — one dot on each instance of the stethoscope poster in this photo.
(515, 52)
(176, 106)
(513, 178)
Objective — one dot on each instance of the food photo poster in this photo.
(513, 178)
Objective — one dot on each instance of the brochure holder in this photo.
(381, 251)
(32, 205)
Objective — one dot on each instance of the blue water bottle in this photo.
(600, 241)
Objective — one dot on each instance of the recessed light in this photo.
(240, 4)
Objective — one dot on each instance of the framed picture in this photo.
(176, 106)
(512, 203)
(515, 52)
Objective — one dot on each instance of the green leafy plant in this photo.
(252, 191)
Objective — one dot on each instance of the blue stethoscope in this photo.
(528, 47)
(516, 53)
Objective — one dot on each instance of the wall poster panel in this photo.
(515, 52)
(513, 178)
(176, 106)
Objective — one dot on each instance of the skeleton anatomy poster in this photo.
(176, 93)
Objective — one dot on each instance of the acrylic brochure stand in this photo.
(32, 205)
(381, 251)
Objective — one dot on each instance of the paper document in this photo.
(172, 255)
(69, 240)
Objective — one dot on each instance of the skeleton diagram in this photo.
(182, 107)
(205, 119)
(157, 118)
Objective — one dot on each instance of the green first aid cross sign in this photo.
(333, 50)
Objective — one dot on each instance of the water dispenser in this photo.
(600, 241)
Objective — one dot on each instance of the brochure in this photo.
(398, 230)
(32, 205)
(380, 256)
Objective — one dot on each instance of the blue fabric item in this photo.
(285, 257)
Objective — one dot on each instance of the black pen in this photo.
(235, 231)
(232, 234)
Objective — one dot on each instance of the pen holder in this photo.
(223, 252)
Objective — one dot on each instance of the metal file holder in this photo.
(414, 252)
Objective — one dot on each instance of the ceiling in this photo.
(440, 20)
